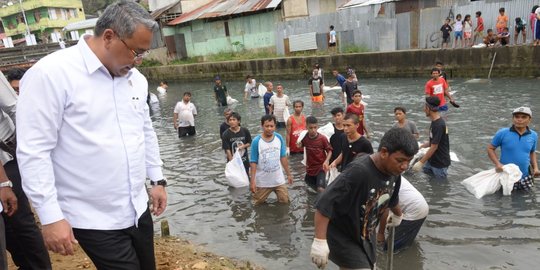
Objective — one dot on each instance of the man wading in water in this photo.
(349, 210)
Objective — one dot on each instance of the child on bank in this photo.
(467, 31)
(318, 153)
(458, 32)
(446, 29)
(502, 21)
(358, 108)
(236, 138)
(268, 159)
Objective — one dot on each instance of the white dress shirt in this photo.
(85, 141)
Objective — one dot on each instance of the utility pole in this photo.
(25, 21)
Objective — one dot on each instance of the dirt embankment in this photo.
(171, 254)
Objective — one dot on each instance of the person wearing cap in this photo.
(437, 159)
(518, 145)
(220, 92)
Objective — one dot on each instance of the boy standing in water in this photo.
(279, 103)
(358, 108)
(251, 88)
(352, 143)
(335, 139)
(220, 92)
(316, 86)
(318, 153)
(267, 96)
(402, 122)
(236, 138)
(348, 88)
(162, 88)
(184, 116)
(268, 159)
(295, 124)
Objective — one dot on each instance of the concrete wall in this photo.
(516, 61)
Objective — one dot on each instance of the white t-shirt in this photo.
(186, 113)
(467, 27)
(251, 88)
(268, 156)
(458, 26)
(280, 103)
(161, 90)
(333, 36)
(412, 203)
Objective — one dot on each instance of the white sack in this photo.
(235, 171)
(231, 100)
(286, 114)
(331, 175)
(489, 181)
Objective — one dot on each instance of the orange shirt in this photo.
(502, 22)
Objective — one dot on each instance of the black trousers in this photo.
(3, 256)
(126, 249)
(186, 131)
(24, 240)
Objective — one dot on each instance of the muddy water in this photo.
(461, 232)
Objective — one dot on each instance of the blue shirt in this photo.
(516, 148)
(266, 99)
(340, 79)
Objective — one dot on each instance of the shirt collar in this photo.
(91, 60)
(513, 129)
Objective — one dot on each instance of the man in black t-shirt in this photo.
(352, 143)
(236, 138)
(348, 88)
(335, 139)
(437, 159)
(350, 208)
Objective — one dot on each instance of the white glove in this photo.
(288, 151)
(418, 166)
(393, 220)
(319, 252)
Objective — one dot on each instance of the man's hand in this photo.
(536, 173)
(253, 187)
(499, 168)
(9, 200)
(332, 165)
(176, 126)
(418, 166)
(158, 197)
(319, 252)
(393, 220)
(290, 178)
(326, 166)
(58, 237)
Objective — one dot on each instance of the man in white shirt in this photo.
(162, 88)
(86, 143)
(278, 104)
(184, 116)
(251, 88)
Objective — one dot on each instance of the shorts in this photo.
(405, 233)
(519, 29)
(439, 173)
(331, 44)
(186, 131)
(526, 183)
(262, 194)
(316, 181)
(445, 39)
(479, 34)
(458, 34)
(467, 34)
(317, 98)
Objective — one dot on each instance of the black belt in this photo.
(10, 145)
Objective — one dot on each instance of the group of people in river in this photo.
(369, 191)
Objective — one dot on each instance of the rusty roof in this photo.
(220, 8)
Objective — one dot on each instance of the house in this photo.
(74, 31)
(224, 26)
(45, 18)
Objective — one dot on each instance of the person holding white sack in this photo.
(236, 138)
(518, 145)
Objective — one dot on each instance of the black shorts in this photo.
(405, 233)
(445, 39)
(186, 131)
(316, 181)
(519, 29)
(331, 44)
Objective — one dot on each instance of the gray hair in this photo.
(123, 17)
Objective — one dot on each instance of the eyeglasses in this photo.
(136, 55)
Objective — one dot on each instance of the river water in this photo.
(461, 232)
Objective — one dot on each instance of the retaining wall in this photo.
(510, 61)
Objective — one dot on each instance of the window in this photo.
(226, 29)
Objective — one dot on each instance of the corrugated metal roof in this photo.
(158, 12)
(90, 23)
(361, 3)
(220, 8)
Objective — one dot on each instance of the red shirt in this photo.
(296, 128)
(316, 149)
(436, 88)
(360, 112)
(480, 24)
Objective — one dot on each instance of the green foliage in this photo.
(355, 49)
(150, 63)
(93, 6)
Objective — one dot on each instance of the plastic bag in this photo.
(231, 100)
(262, 90)
(327, 130)
(286, 114)
(331, 175)
(489, 181)
(235, 171)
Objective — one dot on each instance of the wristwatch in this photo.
(6, 184)
(161, 182)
